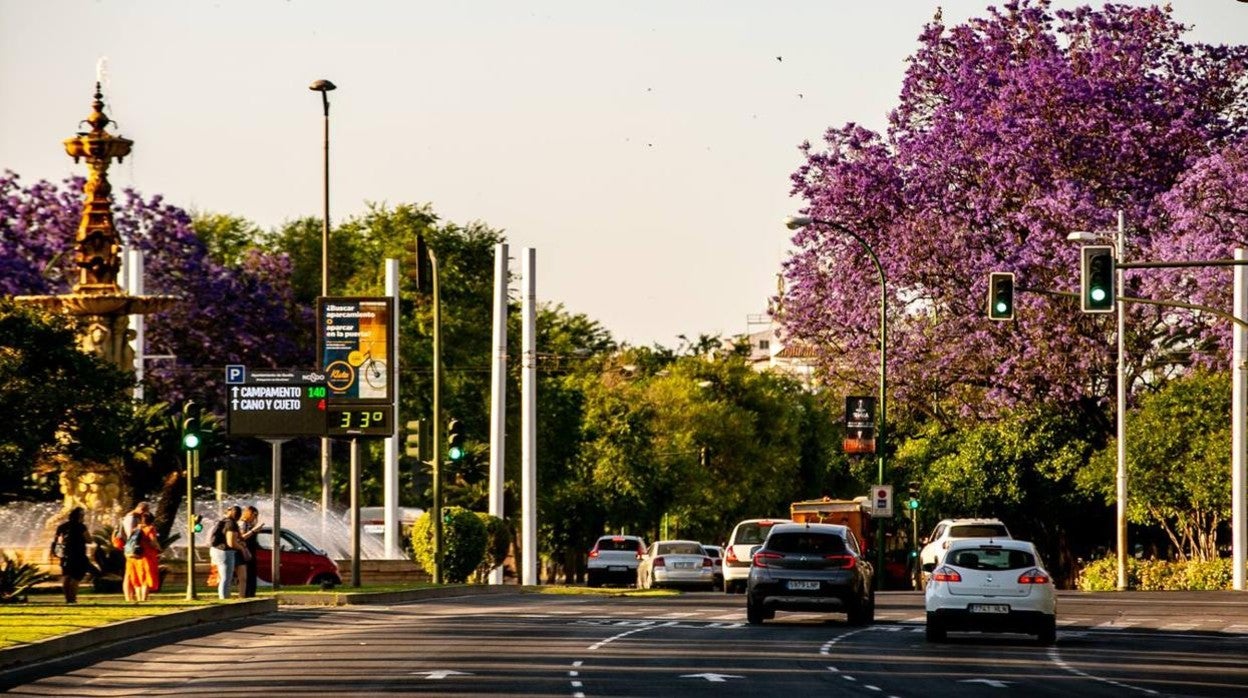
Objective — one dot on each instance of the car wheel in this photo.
(1048, 631)
(754, 613)
(935, 630)
(326, 581)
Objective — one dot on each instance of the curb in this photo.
(87, 638)
(389, 597)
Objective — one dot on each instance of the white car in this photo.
(745, 536)
(991, 585)
(614, 559)
(675, 563)
(717, 563)
(950, 530)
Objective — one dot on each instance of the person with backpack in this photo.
(226, 547)
(142, 558)
(129, 523)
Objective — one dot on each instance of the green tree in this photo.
(1178, 446)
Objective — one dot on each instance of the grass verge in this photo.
(600, 591)
(45, 615)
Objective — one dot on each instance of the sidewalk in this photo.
(12, 658)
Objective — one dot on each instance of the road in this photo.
(691, 645)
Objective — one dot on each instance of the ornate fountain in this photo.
(96, 298)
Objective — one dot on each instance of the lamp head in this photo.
(1083, 236)
(322, 86)
(795, 222)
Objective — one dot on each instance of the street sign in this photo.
(355, 348)
(881, 501)
(277, 404)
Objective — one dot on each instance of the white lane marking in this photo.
(574, 673)
(833, 669)
(869, 687)
(613, 638)
(576, 684)
(847, 677)
(576, 663)
(995, 683)
(1057, 659)
(441, 673)
(713, 678)
(827, 646)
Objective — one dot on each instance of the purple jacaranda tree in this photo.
(239, 314)
(1013, 130)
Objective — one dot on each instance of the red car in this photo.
(302, 562)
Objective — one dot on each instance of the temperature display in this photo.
(361, 420)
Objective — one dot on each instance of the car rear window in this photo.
(617, 544)
(989, 558)
(751, 533)
(680, 549)
(807, 543)
(979, 531)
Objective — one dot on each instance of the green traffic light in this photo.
(1098, 294)
(190, 441)
(455, 453)
(913, 504)
(199, 523)
(1002, 306)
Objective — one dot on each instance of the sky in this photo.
(642, 148)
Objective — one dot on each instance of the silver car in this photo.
(676, 563)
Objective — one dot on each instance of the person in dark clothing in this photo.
(249, 526)
(69, 543)
(226, 549)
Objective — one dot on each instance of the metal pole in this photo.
(881, 440)
(1239, 413)
(190, 523)
(326, 446)
(276, 560)
(437, 421)
(355, 512)
(1120, 244)
(390, 445)
(528, 417)
(498, 393)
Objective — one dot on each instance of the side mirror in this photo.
(929, 566)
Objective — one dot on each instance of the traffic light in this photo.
(412, 445)
(198, 522)
(1096, 279)
(455, 440)
(704, 457)
(1001, 295)
(421, 270)
(192, 439)
(912, 502)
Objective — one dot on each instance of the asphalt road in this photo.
(691, 645)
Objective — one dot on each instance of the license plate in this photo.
(802, 586)
(989, 608)
(683, 565)
(617, 568)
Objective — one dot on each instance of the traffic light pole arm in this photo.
(1146, 301)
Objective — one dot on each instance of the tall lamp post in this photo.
(324, 87)
(795, 222)
(1119, 241)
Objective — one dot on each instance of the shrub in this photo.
(464, 540)
(17, 577)
(1156, 575)
(498, 543)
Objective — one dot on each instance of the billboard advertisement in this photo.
(859, 424)
(355, 348)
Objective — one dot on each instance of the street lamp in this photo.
(1119, 241)
(795, 222)
(324, 87)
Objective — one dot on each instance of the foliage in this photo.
(464, 540)
(17, 577)
(1178, 440)
(998, 148)
(498, 543)
(65, 407)
(1158, 575)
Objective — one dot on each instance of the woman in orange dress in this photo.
(143, 573)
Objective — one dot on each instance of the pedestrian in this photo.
(129, 522)
(69, 544)
(143, 565)
(249, 527)
(226, 548)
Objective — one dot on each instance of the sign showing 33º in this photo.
(276, 403)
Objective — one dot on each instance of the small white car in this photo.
(746, 535)
(675, 563)
(614, 559)
(950, 530)
(991, 585)
(717, 563)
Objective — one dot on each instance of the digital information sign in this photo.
(275, 404)
(360, 420)
(355, 348)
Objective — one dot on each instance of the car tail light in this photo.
(593, 553)
(761, 558)
(1034, 576)
(946, 574)
(706, 562)
(847, 562)
(730, 555)
(660, 562)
